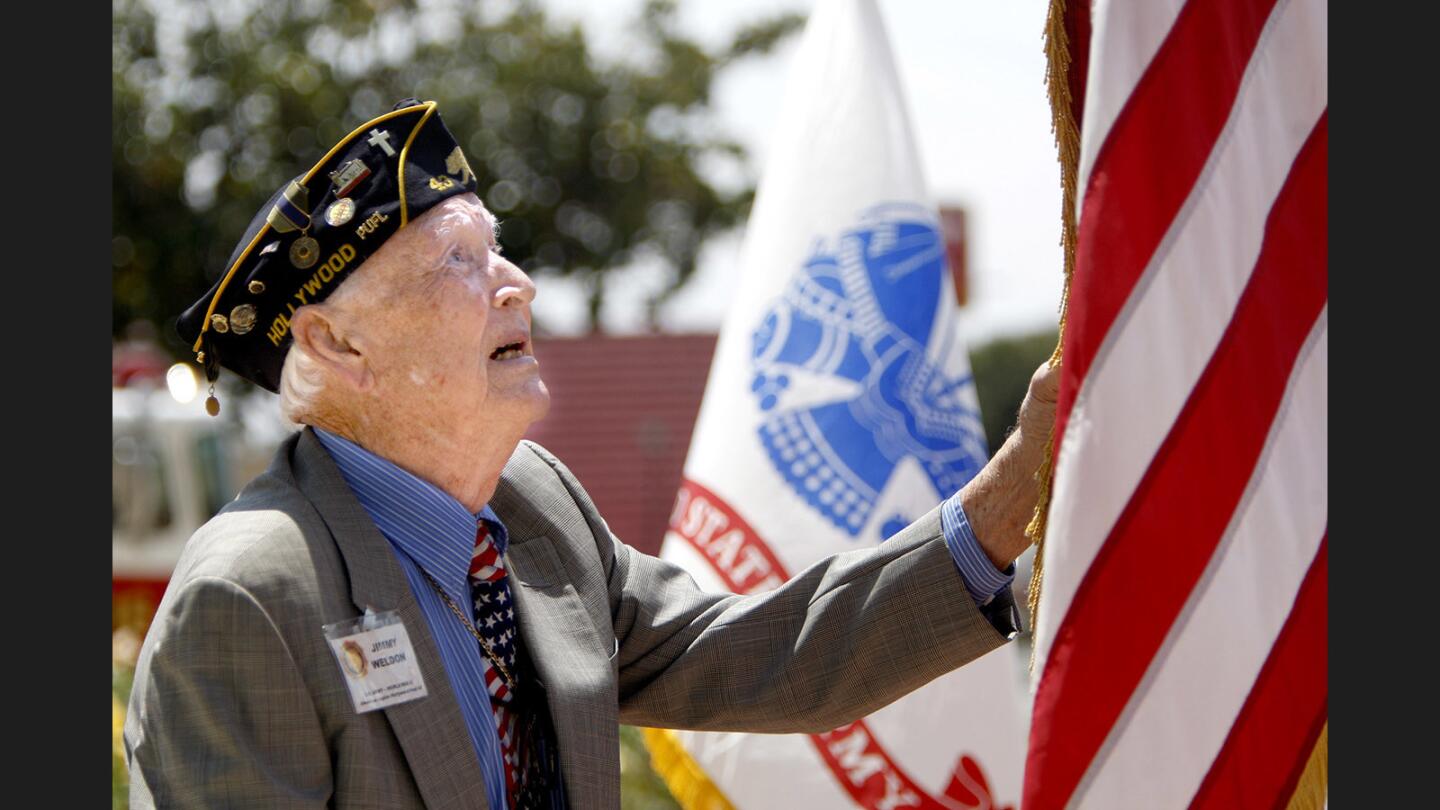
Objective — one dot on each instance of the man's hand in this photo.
(1037, 412)
(1000, 500)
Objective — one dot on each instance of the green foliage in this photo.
(121, 676)
(591, 164)
(640, 787)
(1002, 371)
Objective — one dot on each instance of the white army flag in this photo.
(840, 408)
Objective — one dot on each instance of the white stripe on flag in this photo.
(1128, 47)
(1178, 718)
(1165, 336)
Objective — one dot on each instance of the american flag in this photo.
(1180, 656)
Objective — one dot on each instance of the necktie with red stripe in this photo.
(495, 621)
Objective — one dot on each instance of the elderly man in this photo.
(414, 607)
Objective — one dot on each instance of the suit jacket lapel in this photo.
(431, 730)
(573, 658)
(558, 631)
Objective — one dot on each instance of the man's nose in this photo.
(514, 287)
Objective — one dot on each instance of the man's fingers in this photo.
(1045, 384)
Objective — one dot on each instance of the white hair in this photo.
(304, 381)
(302, 386)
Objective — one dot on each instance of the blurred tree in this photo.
(641, 788)
(591, 165)
(1002, 370)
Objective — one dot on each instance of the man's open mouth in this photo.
(509, 351)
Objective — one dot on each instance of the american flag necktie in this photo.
(495, 621)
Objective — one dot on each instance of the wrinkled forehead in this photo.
(418, 247)
(446, 221)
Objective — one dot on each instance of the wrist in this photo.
(1000, 500)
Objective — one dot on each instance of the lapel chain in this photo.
(484, 645)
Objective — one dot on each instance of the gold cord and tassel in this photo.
(687, 781)
(1067, 142)
(1311, 789)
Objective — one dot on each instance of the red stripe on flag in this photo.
(1271, 740)
(1147, 166)
(1077, 35)
(1164, 539)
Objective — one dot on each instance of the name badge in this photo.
(376, 659)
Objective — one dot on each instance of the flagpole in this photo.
(1064, 123)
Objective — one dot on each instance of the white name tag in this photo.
(376, 658)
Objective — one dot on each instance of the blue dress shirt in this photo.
(981, 577)
(430, 530)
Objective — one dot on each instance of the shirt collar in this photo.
(417, 517)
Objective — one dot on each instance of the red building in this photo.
(621, 413)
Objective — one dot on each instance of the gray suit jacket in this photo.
(238, 701)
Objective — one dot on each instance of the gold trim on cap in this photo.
(405, 153)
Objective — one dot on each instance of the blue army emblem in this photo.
(857, 320)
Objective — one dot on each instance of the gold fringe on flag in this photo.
(1314, 782)
(1067, 142)
(687, 781)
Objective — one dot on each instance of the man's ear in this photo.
(324, 338)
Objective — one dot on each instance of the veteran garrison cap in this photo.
(315, 230)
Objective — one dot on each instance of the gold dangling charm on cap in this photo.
(212, 405)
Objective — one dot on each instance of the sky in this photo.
(973, 76)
